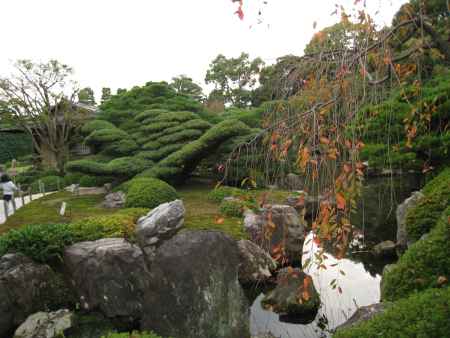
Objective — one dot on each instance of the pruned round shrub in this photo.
(422, 265)
(426, 314)
(421, 218)
(149, 193)
(96, 125)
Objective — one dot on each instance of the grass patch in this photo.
(46, 210)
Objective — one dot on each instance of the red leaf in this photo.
(240, 13)
(340, 201)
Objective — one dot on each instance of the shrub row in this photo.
(46, 242)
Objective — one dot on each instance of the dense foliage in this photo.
(426, 264)
(427, 109)
(149, 193)
(421, 218)
(14, 145)
(134, 334)
(424, 314)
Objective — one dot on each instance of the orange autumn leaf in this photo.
(219, 220)
(340, 201)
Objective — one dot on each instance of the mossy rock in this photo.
(421, 218)
(149, 193)
(423, 265)
(295, 295)
(424, 314)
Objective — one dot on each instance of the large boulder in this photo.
(277, 229)
(46, 325)
(194, 289)
(294, 296)
(363, 314)
(25, 288)
(256, 265)
(403, 240)
(158, 225)
(109, 275)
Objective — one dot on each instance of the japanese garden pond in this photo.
(361, 274)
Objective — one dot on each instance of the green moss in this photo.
(422, 264)
(149, 193)
(218, 194)
(425, 314)
(423, 217)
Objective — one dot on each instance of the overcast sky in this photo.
(122, 43)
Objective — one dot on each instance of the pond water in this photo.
(359, 288)
(361, 277)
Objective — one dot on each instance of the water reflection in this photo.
(359, 288)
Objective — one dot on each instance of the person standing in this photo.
(8, 188)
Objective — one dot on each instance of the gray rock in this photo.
(387, 268)
(25, 288)
(46, 325)
(114, 200)
(158, 225)
(294, 182)
(277, 228)
(363, 314)
(109, 275)
(194, 288)
(403, 240)
(256, 265)
(384, 249)
(294, 296)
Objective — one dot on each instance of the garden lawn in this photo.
(46, 210)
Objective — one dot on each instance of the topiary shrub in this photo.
(423, 217)
(46, 242)
(49, 183)
(72, 178)
(41, 243)
(94, 181)
(149, 193)
(91, 126)
(426, 314)
(422, 265)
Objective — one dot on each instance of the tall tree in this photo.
(183, 84)
(86, 95)
(234, 78)
(40, 98)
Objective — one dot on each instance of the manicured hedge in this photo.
(426, 314)
(149, 193)
(46, 242)
(422, 265)
(49, 183)
(94, 125)
(423, 217)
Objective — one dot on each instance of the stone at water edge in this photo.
(384, 249)
(46, 325)
(25, 287)
(256, 265)
(109, 275)
(194, 289)
(293, 296)
(403, 240)
(289, 231)
(363, 314)
(114, 200)
(158, 225)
